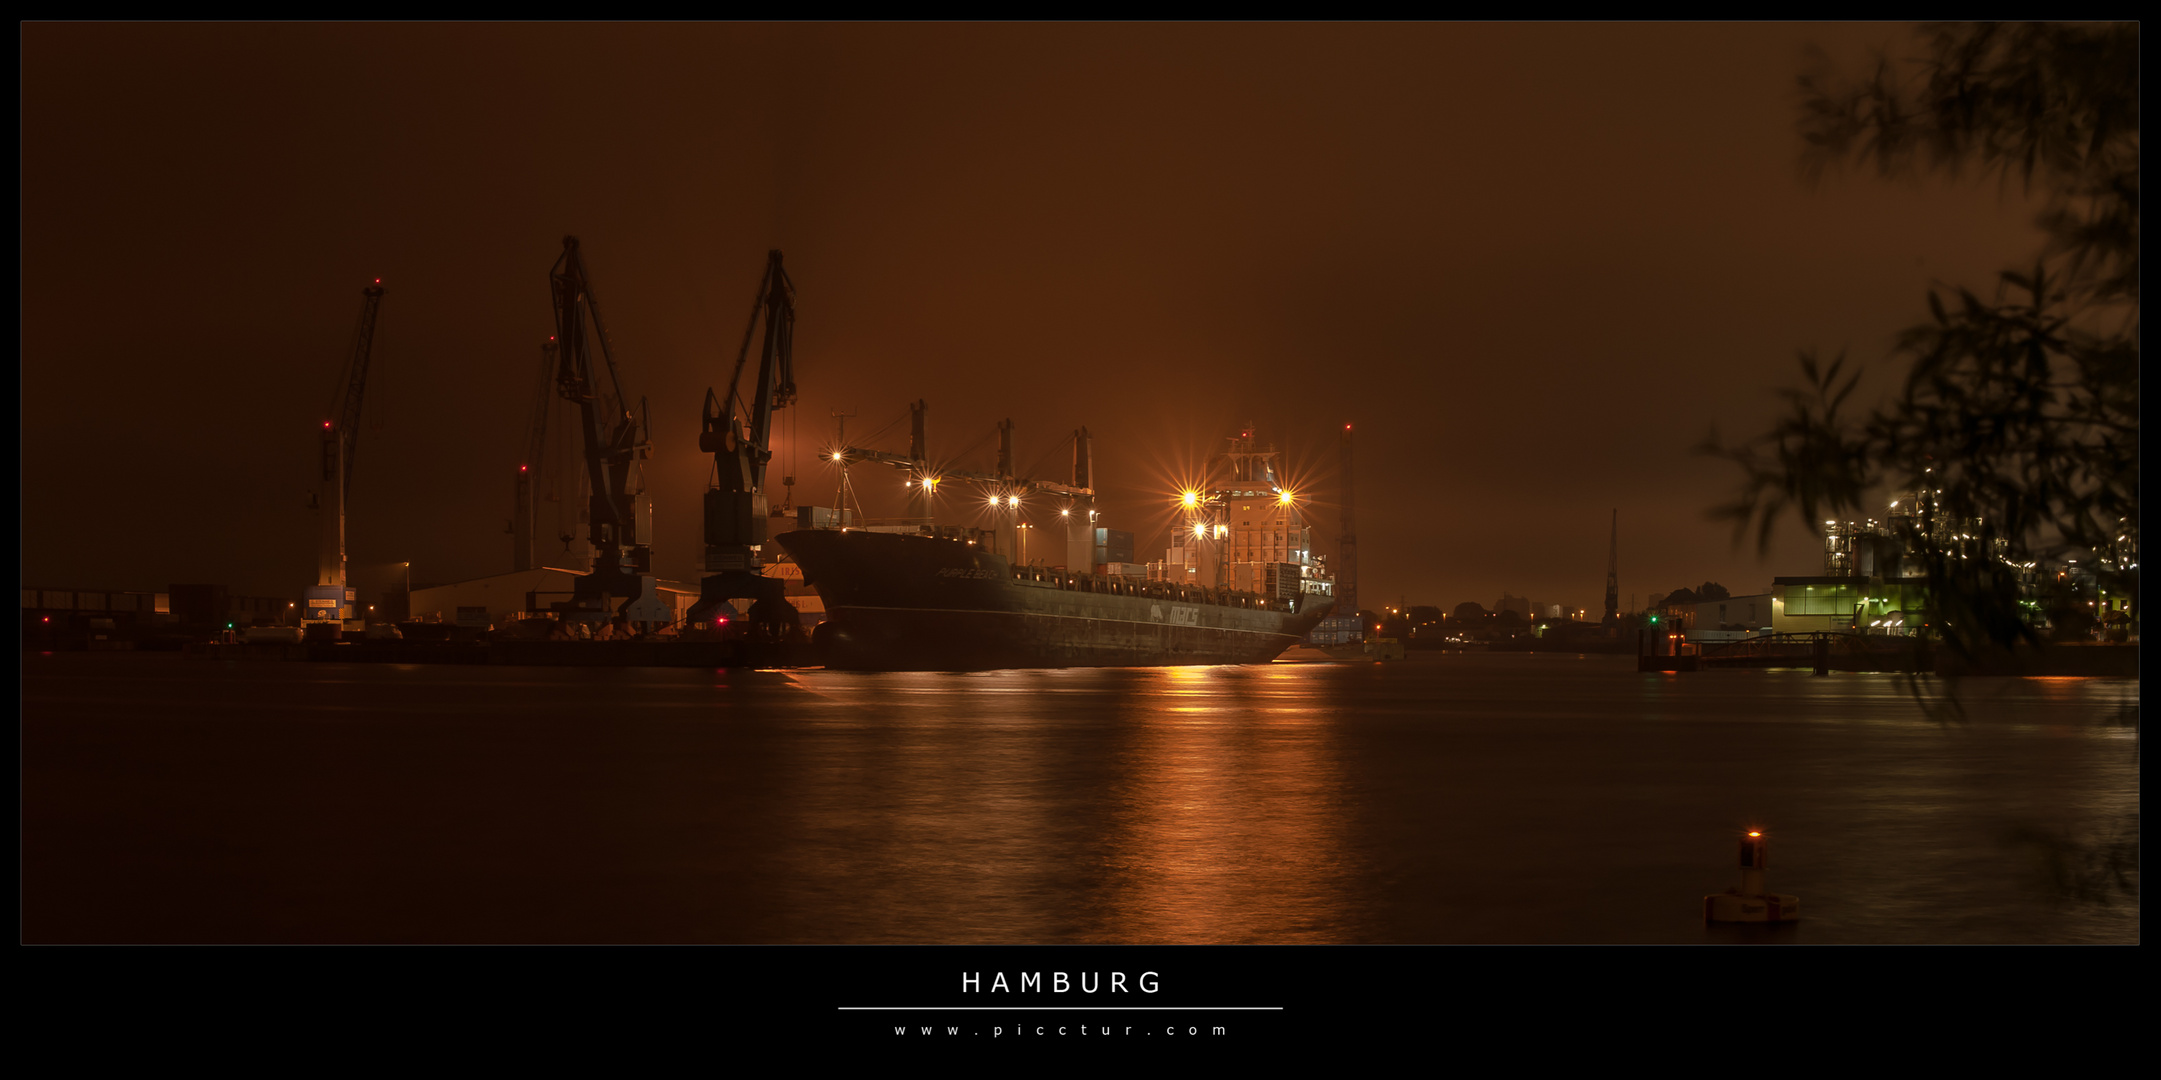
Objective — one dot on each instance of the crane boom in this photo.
(356, 384)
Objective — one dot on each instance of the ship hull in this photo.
(912, 603)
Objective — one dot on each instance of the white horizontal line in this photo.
(1059, 1008)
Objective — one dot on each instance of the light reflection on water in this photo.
(1460, 798)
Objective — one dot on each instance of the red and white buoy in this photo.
(1750, 902)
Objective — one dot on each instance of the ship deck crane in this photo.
(1006, 489)
(614, 441)
(739, 435)
(922, 479)
(330, 600)
(916, 463)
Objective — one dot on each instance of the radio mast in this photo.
(1613, 576)
(1347, 547)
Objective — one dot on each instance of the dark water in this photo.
(1446, 799)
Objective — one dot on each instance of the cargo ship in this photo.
(899, 602)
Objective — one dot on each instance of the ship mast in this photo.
(1347, 547)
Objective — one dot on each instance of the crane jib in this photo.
(356, 388)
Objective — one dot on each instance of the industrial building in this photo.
(499, 599)
(1892, 606)
(77, 618)
(1733, 618)
(1874, 582)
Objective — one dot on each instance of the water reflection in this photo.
(1459, 798)
(1149, 805)
(1225, 827)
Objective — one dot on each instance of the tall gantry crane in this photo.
(330, 599)
(615, 440)
(739, 435)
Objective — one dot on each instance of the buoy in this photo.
(1750, 903)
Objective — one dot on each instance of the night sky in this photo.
(1533, 264)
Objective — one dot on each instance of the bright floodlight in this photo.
(1012, 500)
(1191, 499)
(1284, 498)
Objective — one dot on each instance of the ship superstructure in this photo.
(1244, 528)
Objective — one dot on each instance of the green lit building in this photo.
(1889, 606)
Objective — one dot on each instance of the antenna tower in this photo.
(1347, 547)
(1613, 576)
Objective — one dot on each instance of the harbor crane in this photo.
(738, 432)
(330, 600)
(620, 581)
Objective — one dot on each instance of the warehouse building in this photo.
(499, 599)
